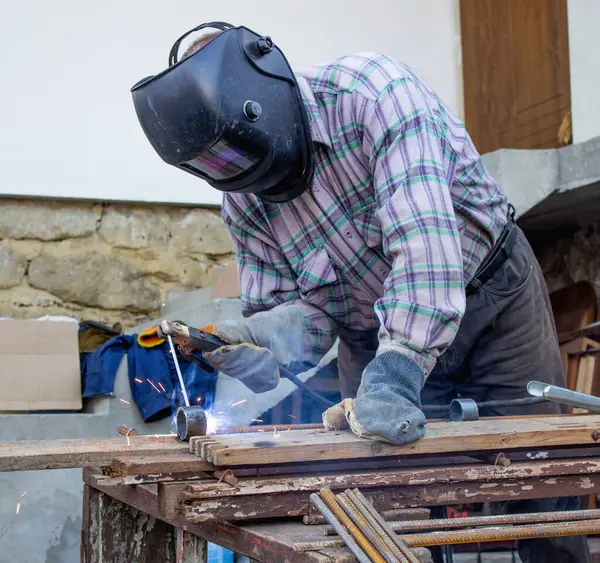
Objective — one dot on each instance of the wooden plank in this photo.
(440, 437)
(259, 544)
(168, 463)
(62, 454)
(394, 477)
(296, 503)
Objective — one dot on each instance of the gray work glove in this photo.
(258, 345)
(388, 403)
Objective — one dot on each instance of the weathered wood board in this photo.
(62, 454)
(496, 434)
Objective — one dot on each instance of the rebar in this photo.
(533, 531)
(472, 521)
(331, 502)
(480, 535)
(268, 428)
(400, 544)
(370, 532)
(342, 532)
(405, 555)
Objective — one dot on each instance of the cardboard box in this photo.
(225, 282)
(39, 366)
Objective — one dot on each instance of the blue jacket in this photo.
(152, 376)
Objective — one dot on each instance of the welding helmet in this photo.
(232, 114)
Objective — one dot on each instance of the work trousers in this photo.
(506, 338)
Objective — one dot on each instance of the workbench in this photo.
(154, 498)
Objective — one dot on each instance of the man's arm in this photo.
(293, 329)
(424, 297)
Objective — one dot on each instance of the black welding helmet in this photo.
(232, 114)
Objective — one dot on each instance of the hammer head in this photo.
(190, 421)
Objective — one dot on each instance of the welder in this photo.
(359, 209)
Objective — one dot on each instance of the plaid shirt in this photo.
(400, 214)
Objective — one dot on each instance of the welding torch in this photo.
(193, 342)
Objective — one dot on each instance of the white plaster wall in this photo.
(584, 54)
(67, 125)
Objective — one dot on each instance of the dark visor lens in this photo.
(223, 161)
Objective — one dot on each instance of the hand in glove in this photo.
(388, 403)
(258, 345)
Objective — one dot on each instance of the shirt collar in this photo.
(318, 131)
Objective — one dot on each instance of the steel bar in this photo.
(266, 428)
(454, 537)
(482, 535)
(405, 555)
(379, 519)
(331, 502)
(370, 532)
(348, 540)
(475, 521)
(563, 396)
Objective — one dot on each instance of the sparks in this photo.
(161, 386)
(256, 419)
(198, 399)
(124, 401)
(18, 507)
(155, 387)
(260, 430)
(292, 416)
(138, 380)
(238, 403)
(220, 412)
(24, 493)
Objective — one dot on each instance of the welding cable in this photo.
(443, 409)
(287, 374)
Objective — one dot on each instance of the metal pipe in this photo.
(563, 396)
(401, 545)
(454, 537)
(372, 534)
(342, 532)
(474, 521)
(364, 543)
(386, 537)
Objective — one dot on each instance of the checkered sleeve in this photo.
(268, 283)
(424, 296)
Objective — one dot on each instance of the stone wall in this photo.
(103, 262)
(572, 259)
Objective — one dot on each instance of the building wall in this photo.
(69, 128)
(103, 262)
(584, 49)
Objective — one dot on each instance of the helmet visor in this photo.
(223, 161)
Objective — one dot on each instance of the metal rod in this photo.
(364, 543)
(372, 534)
(454, 537)
(474, 521)
(481, 535)
(268, 428)
(176, 361)
(401, 545)
(385, 536)
(348, 540)
(563, 396)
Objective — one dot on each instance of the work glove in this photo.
(258, 346)
(388, 402)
